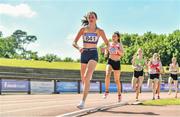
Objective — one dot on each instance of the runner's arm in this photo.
(80, 33)
(121, 50)
(102, 34)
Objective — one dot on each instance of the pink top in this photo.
(114, 48)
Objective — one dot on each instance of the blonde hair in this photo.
(174, 58)
(156, 55)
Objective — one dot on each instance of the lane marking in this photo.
(92, 110)
(17, 110)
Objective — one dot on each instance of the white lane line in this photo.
(35, 101)
(47, 101)
(28, 101)
(38, 98)
(28, 109)
(18, 110)
(4, 105)
(93, 109)
(22, 101)
(60, 96)
(35, 96)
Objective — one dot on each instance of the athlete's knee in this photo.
(134, 86)
(107, 78)
(170, 80)
(108, 75)
(87, 83)
(116, 80)
(88, 74)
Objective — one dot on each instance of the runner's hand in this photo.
(81, 50)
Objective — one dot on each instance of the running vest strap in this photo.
(174, 69)
(155, 67)
(113, 49)
(91, 38)
(139, 63)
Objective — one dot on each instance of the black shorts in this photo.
(116, 65)
(89, 54)
(174, 76)
(138, 73)
(153, 76)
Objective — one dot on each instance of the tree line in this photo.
(15, 47)
(167, 45)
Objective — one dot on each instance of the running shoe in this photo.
(105, 95)
(169, 93)
(137, 100)
(81, 105)
(119, 98)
